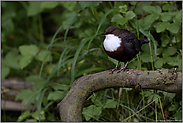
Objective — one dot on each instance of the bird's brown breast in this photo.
(120, 54)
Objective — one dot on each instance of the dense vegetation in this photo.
(54, 43)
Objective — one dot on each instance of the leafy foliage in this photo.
(60, 41)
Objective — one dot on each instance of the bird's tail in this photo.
(143, 42)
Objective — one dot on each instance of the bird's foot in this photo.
(123, 68)
(113, 70)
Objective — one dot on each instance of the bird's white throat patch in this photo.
(111, 42)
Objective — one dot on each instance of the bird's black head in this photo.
(110, 30)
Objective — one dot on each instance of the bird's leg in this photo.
(115, 67)
(123, 68)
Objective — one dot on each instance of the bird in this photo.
(122, 45)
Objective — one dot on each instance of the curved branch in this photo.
(162, 79)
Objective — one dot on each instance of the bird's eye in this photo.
(112, 31)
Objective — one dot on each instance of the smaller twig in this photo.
(146, 117)
(140, 109)
(162, 109)
(93, 94)
(175, 50)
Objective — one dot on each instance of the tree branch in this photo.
(162, 79)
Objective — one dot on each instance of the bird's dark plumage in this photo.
(121, 44)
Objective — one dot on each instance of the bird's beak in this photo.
(103, 34)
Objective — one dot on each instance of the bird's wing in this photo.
(129, 41)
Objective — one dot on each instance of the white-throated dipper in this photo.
(122, 45)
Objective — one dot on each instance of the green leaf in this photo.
(122, 21)
(23, 116)
(174, 28)
(38, 81)
(149, 19)
(110, 104)
(96, 101)
(34, 8)
(158, 9)
(35, 115)
(34, 78)
(70, 5)
(159, 63)
(26, 96)
(123, 9)
(165, 16)
(133, 2)
(49, 68)
(151, 9)
(167, 7)
(11, 60)
(91, 112)
(159, 51)
(44, 56)
(130, 15)
(165, 42)
(168, 52)
(116, 18)
(174, 61)
(28, 50)
(7, 24)
(138, 10)
(56, 95)
(145, 57)
(178, 18)
(177, 38)
(169, 61)
(162, 26)
(4, 72)
(57, 86)
(24, 61)
(85, 4)
(49, 4)
(178, 61)
(169, 95)
(146, 93)
(173, 107)
(150, 98)
(155, 97)
(178, 116)
(38, 85)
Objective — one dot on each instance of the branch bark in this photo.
(162, 79)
